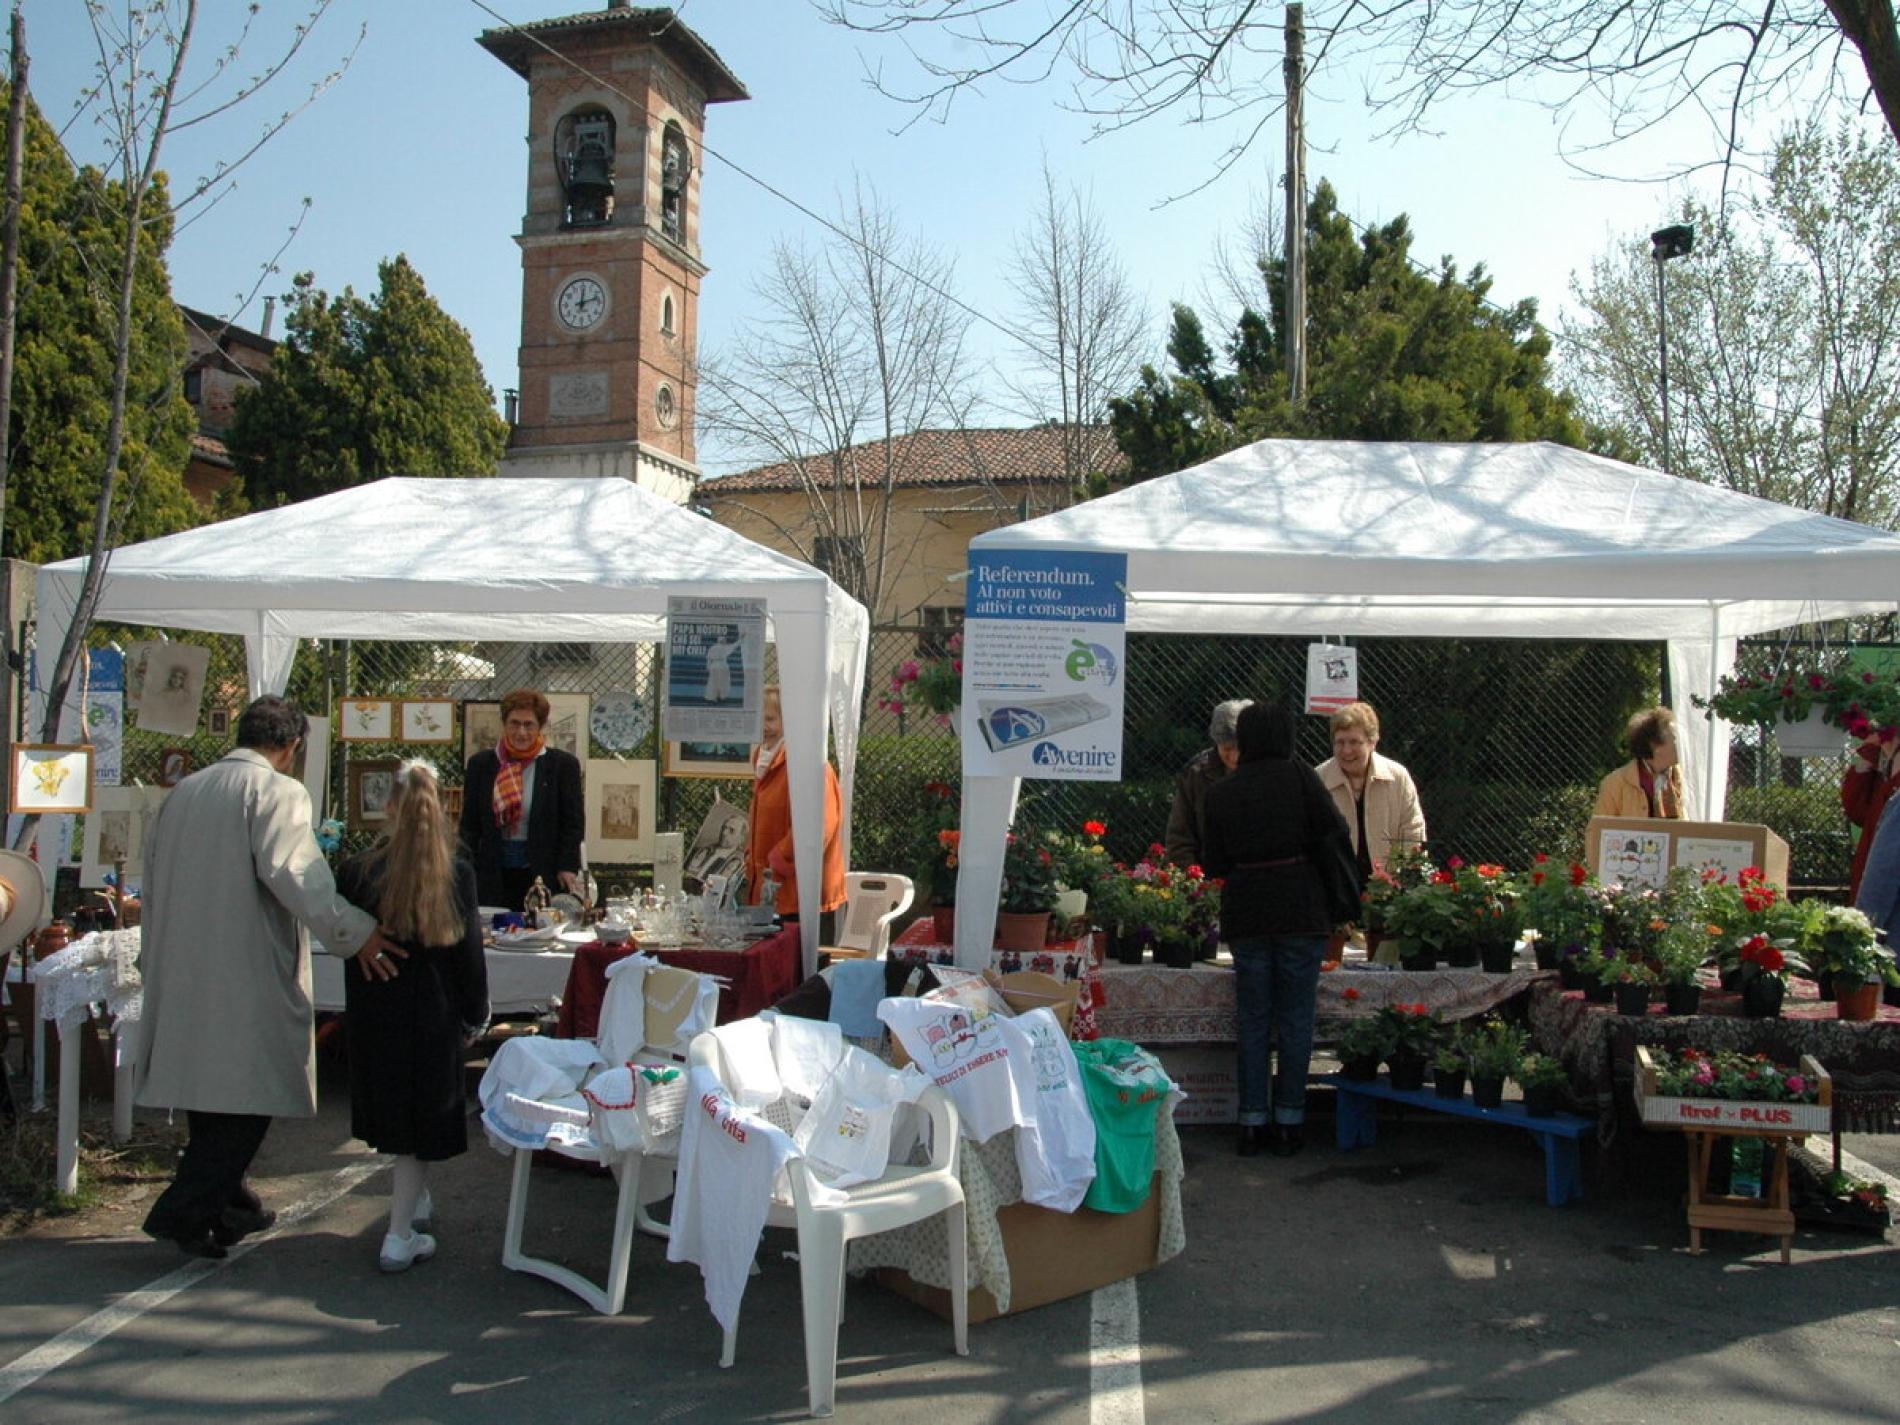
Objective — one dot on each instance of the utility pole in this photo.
(9, 311)
(1296, 203)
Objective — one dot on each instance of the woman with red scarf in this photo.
(1866, 788)
(523, 815)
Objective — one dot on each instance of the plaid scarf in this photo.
(508, 780)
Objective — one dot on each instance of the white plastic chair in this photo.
(873, 901)
(644, 1178)
(902, 1196)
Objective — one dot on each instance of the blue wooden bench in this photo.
(1357, 1120)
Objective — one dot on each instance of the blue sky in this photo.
(419, 149)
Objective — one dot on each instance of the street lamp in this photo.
(1676, 240)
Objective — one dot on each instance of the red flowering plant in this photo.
(1171, 902)
(1081, 859)
(1413, 1029)
(1857, 701)
(1730, 1074)
(1426, 917)
(1407, 867)
(1489, 903)
(932, 684)
(1029, 874)
(938, 834)
(1562, 906)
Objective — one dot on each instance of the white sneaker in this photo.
(423, 1218)
(401, 1253)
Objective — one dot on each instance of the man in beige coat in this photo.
(234, 881)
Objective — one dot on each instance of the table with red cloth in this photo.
(1067, 960)
(756, 978)
(1598, 1048)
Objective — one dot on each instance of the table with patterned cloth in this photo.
(1152, 1004)
(991, 1182)
(1598, 1047)
(756, 977)
(1069, 961)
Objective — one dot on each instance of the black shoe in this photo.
(202, 1244)
(1288, 1139)
(1252, 1137)
(241, 1222)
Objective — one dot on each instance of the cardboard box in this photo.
(1209, 1075)
(1052, 1256)
(1641, 850)
(1733, 1115)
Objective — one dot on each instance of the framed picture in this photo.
(568, 719)
(619, 811)
(218, 722)
(172, 688)
(708, 759)
(371, 784)
(428, 720)
(367, 720)
(720, 847)
(174, 765)
(481, 728)
(51, 778)
(452, 803)
(117, 830)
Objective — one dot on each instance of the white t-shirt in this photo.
(846, 1138)
(965, 1052)
(1055, 1154)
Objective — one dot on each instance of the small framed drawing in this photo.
(218, 722)
(372, 782)
(428, 720)
(117, 829)
(53, 779)
(174, 765)
(366, 720)
(481, 728)
(452, 803)
(568, 718)
(708, 759)
(619, 811)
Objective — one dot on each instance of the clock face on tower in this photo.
(581, 304)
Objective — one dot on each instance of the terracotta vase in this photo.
(1862, 1002)
(1018, 930)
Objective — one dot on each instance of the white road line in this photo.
(75, 1340)
(1114, 1356)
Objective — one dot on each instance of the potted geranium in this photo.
(1845, 946)
(1407, 867)
(1488, 900)
(938, 872)
(1809, 703)
(1761, 976)
(1424, 918)
(1448, 1064)
(933, 684)
(1362, 1044)
(1542, 1078)
(1029, 893)
(1493, 1052)
(1112, 902)
(1081, 861)
(1412, 1032)
(1561, 908)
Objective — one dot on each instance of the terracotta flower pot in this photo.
(1860, 1002)
(1022, 930)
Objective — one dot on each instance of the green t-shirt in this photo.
(1126, 1088)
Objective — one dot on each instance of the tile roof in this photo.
(934, 458)
(516, 45)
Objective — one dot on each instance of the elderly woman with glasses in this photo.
(523, 815)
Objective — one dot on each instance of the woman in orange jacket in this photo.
(771, 846)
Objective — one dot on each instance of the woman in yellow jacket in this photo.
(1650, 783)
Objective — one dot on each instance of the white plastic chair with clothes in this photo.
(825, 1171)
(618, 1101)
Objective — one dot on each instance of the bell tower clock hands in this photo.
(581, 304)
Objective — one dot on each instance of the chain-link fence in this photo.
(1507, 740)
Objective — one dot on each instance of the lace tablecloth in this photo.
(97, 969)
(1598, 1047)
(1151, 1004)
(991, 1182)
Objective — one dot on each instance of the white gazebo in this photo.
(528, 560)
(1451, 541)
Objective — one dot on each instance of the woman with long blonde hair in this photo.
(406, 1034)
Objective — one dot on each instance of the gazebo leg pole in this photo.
(67, 1172)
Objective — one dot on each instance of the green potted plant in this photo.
(1845, 946)
(1448, 1064)
(1561, 907)
(1596, 974)
(1362, 1044)
(1029, 893)
(1405, 868)
(1412, 1032)
(1112, 903)
(1490, 908)
(1081, 862)
(1493, 1052)
(940, 836)
(1681, 952)
(1424, 918)
(1542, 1078)
(1631, 983)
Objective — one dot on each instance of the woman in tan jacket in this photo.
(1650, 783)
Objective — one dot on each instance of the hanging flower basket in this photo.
(1811, 736)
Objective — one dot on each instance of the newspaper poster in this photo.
(1332, 677)
(715, 669)
(1044, 639)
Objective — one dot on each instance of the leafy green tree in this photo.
(361, 388)
(1393, 353)
(71, 236)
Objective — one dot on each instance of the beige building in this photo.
(945, 488)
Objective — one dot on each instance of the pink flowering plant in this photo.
(1859, 702)
(933, 684)
(1730, 1074)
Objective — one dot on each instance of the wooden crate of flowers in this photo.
(1724, 1091)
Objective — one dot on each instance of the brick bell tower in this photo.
(610, 266)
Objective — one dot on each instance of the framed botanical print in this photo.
(427, 720)
(51, 779)
(372, 783)
(366, 720)
(708, 759)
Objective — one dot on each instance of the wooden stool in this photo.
(1770, 1215)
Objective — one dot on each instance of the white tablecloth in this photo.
(518, 982)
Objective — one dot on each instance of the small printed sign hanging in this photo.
(1332, 677)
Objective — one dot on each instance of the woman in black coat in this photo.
(1269, 826)
(406, 1033)
(523, 813)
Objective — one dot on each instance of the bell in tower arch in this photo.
(584, 159)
